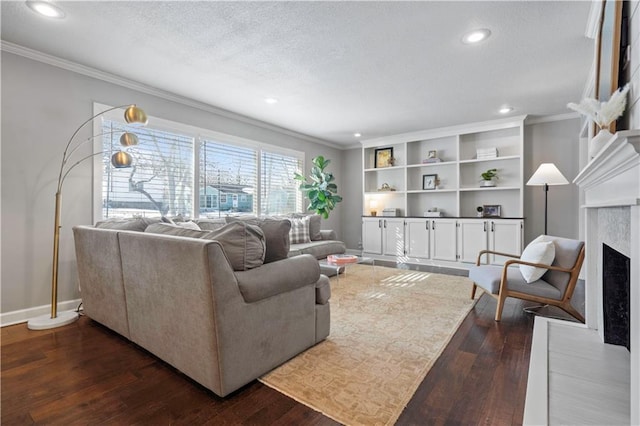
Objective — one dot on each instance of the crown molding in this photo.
(55, 61)
(550, 118)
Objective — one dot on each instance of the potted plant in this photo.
(322, 192)
(488, 178)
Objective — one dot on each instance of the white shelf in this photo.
(430, 191)
(484, 160)
(457, 175)
(494, 188)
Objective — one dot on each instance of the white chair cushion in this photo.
(538, 251)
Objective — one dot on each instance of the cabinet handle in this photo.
(485, 227)
(379, 223)
(493, 226)
(433, 224)
(385, 223)
(426, 225)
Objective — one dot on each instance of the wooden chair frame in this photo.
(563, 303)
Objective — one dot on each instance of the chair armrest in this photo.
(278, 277)
(328, 234)
(494, 252)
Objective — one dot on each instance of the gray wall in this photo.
(352, 194)
(41, 106)
(552, 142)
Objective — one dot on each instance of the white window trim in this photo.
(199, 135)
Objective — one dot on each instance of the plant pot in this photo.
(488, 183)
(598, 142)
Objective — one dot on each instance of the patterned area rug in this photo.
(388, 326)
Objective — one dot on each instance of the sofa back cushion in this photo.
(276, 235)
(134, 224)
(243, 243)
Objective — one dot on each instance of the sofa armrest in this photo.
(278, 277)
(328, 234)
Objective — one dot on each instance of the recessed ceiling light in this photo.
(357, 135)
(505, 110)
(271, 101)
(46, 9)
(476, 36)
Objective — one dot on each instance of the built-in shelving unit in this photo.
(458, 193)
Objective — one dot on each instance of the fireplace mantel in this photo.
(612, 178)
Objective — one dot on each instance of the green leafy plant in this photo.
(321, 191)
(490, 174)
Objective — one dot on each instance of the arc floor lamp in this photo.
(546, 175)
(121, 159)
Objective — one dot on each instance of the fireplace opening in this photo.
(616, 292)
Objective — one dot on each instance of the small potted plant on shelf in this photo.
(489, 177)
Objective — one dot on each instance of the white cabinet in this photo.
(505, 236)
(472, 237)
(383, 235)
(372, 235)
(393, 236)
(443, 239)
(417, 238)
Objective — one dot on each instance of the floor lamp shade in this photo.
(547, 175)
(132, 115)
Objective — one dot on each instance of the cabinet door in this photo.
(505, 236)
(472, 237)
(443, 239)
(372, 235)
(393, 237)
(417, 238)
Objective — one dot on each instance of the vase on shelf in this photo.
(598, 142)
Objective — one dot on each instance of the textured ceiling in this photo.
(378, 68)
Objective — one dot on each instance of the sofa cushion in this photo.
(299, 230)
(318, 249)
(131, 224)
(211, 224)
(243, 243)
(276, 235)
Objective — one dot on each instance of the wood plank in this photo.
(86, 371)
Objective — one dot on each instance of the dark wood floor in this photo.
(85, 374)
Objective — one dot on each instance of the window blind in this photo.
(279, 191)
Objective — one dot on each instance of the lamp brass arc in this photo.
(133, 114)
(121, 160)
(128, 139)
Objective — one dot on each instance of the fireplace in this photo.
(616, 280)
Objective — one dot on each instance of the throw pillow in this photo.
(243, 243)
(315, 223)
(538, 251)
(276, 235)
(299, 233)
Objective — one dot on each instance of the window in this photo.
(160, 181)
(234, 176)
(229, 170)
(279, 191)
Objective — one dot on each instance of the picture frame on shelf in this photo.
(429, 181)
(383, 157)
(432, 155)
(491, 210)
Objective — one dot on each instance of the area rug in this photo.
(388, 326)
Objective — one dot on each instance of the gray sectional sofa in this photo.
(199, 300)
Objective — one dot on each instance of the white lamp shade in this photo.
(548, 174)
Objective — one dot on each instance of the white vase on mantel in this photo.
(598, 142)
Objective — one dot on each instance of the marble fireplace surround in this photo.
(611, 186)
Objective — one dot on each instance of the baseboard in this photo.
(24, 315)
